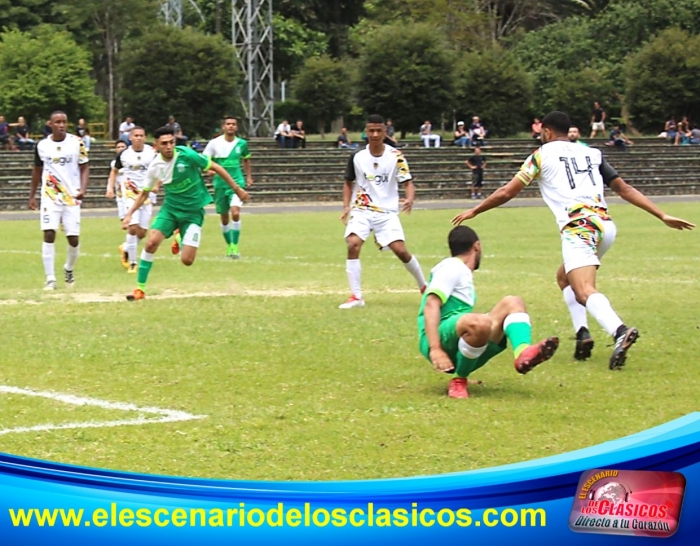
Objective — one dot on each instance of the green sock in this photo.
(235, 236)
(518, 331)
(144, 270)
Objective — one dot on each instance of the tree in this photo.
(45, 70)
(181, 72)
(405, 73)
(321, 86)
(26, 14)
(575, 92)
(662, 79)
(294, 43)
(493, 85)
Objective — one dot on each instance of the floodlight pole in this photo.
(172, 12)
(251, 34)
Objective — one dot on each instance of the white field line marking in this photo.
(165, 415)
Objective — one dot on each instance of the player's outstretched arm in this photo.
(410, 189)
(431, 314)
(638, 199)
(496, 199)
(240, 192)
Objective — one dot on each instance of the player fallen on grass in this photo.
(61, 166)
(179, 170)
(572, 179)
(372, 181)
(457, 340)
(230, 151)
(132, 164)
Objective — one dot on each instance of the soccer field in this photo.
(247, 369)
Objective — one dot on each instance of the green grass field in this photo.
(294, 389)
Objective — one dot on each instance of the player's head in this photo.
(165, 141)
(574, 134)
(464, 242)
(375, 129)
(137, 137)
(59, 124)
(230, 126)
(120, 146)
(555, 125)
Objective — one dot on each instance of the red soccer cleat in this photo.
(422, 290)
(137, 294)
(536, 354)
(175, 247)
(458, 388)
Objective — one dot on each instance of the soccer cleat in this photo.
(458, 388)
(624, 339)
(124, 256)
(536, 354)
(175, 247)
(50, 285)
(352, 302)
(234, 251)
(133, 268)
(584, 344)
(70, 278)
(137, 294)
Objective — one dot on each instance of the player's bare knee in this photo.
(235, 215)
(49, 236)
(475, 328)
(583, 293)
(514, 304)
(73, 240)
(354, 246)
(187, 260)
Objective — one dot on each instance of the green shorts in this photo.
(225, 198)
(450, 344)
(168, 220)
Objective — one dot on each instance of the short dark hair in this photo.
(375, 118)
(559, 122)
(57, 112)
(230, 117)
(138, 128)
(461, 240)
(161, 131)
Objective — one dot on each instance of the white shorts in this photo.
(598, 126)
(193, 236)
(587, 243)
(53, 215)
(142, 216)
(386, 226)
(121, 209)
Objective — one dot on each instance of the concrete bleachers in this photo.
(317, 173)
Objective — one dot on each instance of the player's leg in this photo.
(579, 317)
(509, 319)
(132, 239)
(479, 183)
(49, 222)
(163, 227)
(70, 218)
(222, 201)
(389, 232)
(356, 233)
(191, 229)
(236, 204)
(121, 212)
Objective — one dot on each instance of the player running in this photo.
(457, 340)
(230, 151)
(179, 170)
(572, 179)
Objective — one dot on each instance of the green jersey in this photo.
(181, 178)
(228, 154)
(452, 281)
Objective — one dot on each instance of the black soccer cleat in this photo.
(584, 344)
(624, 339)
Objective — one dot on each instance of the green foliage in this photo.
(662, 79)
(45, 70)
(180, 72)
(294, 43)
(322, 89)
(26, 14)
(492, 85)
(405, 73)
(575, 92)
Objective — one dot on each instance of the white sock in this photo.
(577, 311)
(354, 271)
(225, 228)
(146, 256)
(48, 255)
(132, 246)
(73, 253)
(599, 306)
(236, 226)
(414, 269)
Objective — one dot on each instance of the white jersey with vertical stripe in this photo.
(572, 178)
(377, 179)
(60, 180)
(134, 165)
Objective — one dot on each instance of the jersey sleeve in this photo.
(151, 178)
(83, 154)
(530, 170)
(210, 149)
(403, 174)
(201, 161)
(245, 152)
(445, 279)
(350, 174)
(608, 172)
(38, 162)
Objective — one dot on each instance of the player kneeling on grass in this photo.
(457, 340)
(179, 170)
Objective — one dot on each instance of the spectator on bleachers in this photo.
(5, 137)
(597, 119)
(477, 132)
(619, 139)
(683, 134)
(391, 139)
(574, 135)
(298, 135)
(180, 139)
(46, 131)
(22, 139)
(125, 129)
(461, 135)
(477, 164)
(670, 129)
(536, 128)
(695, 135)
(343, 140)
(427, 135)
(84, 133)
(283, 135)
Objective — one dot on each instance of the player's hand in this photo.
(676, 223)
(243, 195)
(32, 203)
(109, 194)
(79, 195)
(407, 206)
(441, 362)
(249, 182)
(126, 221)
(463, 217)
(344, 216)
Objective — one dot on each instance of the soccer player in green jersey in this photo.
(230, 151)
(457, 340)
(179, 170)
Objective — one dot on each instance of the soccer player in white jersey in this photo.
(230, 151)
(372, 181)
(133, 164)
(572, 178)
(61, 166)
(114, 182)
(457, 340)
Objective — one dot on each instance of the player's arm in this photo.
(470, 165)
(348, 187)
(638, 199)
(110, 183)
(431, 315)
(240, 192)
(37, 172)
(410, 189)
(140, 200)
(501, 196)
